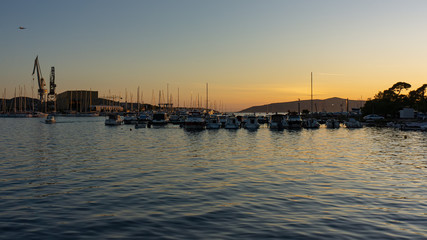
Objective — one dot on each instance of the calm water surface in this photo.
(81, 179)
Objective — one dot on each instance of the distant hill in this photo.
(327, 105)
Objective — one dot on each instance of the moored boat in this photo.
(113, 119)
(50, 119)
(212, 122)
(352, 123)
(251, 122)
(294, 121)
(232, 123)
(144, 117)
(332, 123)
(194, 120)
(311, 123)
(278, 121)
(160, 119)
(222, 119)
(130, 118)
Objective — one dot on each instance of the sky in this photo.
(250, 52)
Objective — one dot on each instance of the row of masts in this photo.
(164, 102)
(19, 103)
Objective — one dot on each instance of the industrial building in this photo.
(84, 101)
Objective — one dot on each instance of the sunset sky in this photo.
(250, 52)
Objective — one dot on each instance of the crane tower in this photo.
(51, 96)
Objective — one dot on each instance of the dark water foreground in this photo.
(81, 179)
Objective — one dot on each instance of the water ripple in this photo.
(80, 179)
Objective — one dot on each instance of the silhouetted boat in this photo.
(113, 119)
(160, 119)
(311, 123)
(352, 123)
(50, 119)
(294, 121)
(130, 118)
(194, 120)
(332, 123)
(278, 121)
(232, 123)
(251, 122)
(212, 122)
(145, 117)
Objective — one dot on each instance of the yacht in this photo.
(113, 120)
(352, 123)
(159, 119)
(144, 117)
(222, 119)
(294, 121)
(311, 123)
(232, 123)
(251, 122)
(262, 119)
(177, 117)
(278, 121)
(194, 121)
(212, 122)
(332, 123)
(130, 118)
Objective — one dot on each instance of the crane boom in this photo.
(40, 78)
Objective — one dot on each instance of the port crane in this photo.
(42, 84)
(45, 97)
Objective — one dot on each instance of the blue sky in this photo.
(250, 52)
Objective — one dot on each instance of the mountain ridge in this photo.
(334, 104)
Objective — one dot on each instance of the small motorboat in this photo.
(332, 123)
(212, 122)
(113, 120)
(194, 121)
(251, 122)
(311, 123)
(353, 123)
(232, 123)
(50, 119)
(278, 122)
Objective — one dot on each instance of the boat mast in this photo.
(160, 95)
(14, 103)
(137, 99)
(311, 102)
(207, 96)
(4, 102)
(90, 99)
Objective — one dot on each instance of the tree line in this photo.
(388, 102)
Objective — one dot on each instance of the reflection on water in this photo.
(78, 178)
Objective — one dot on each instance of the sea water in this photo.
(81, 179)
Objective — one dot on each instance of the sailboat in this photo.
(311, 122)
